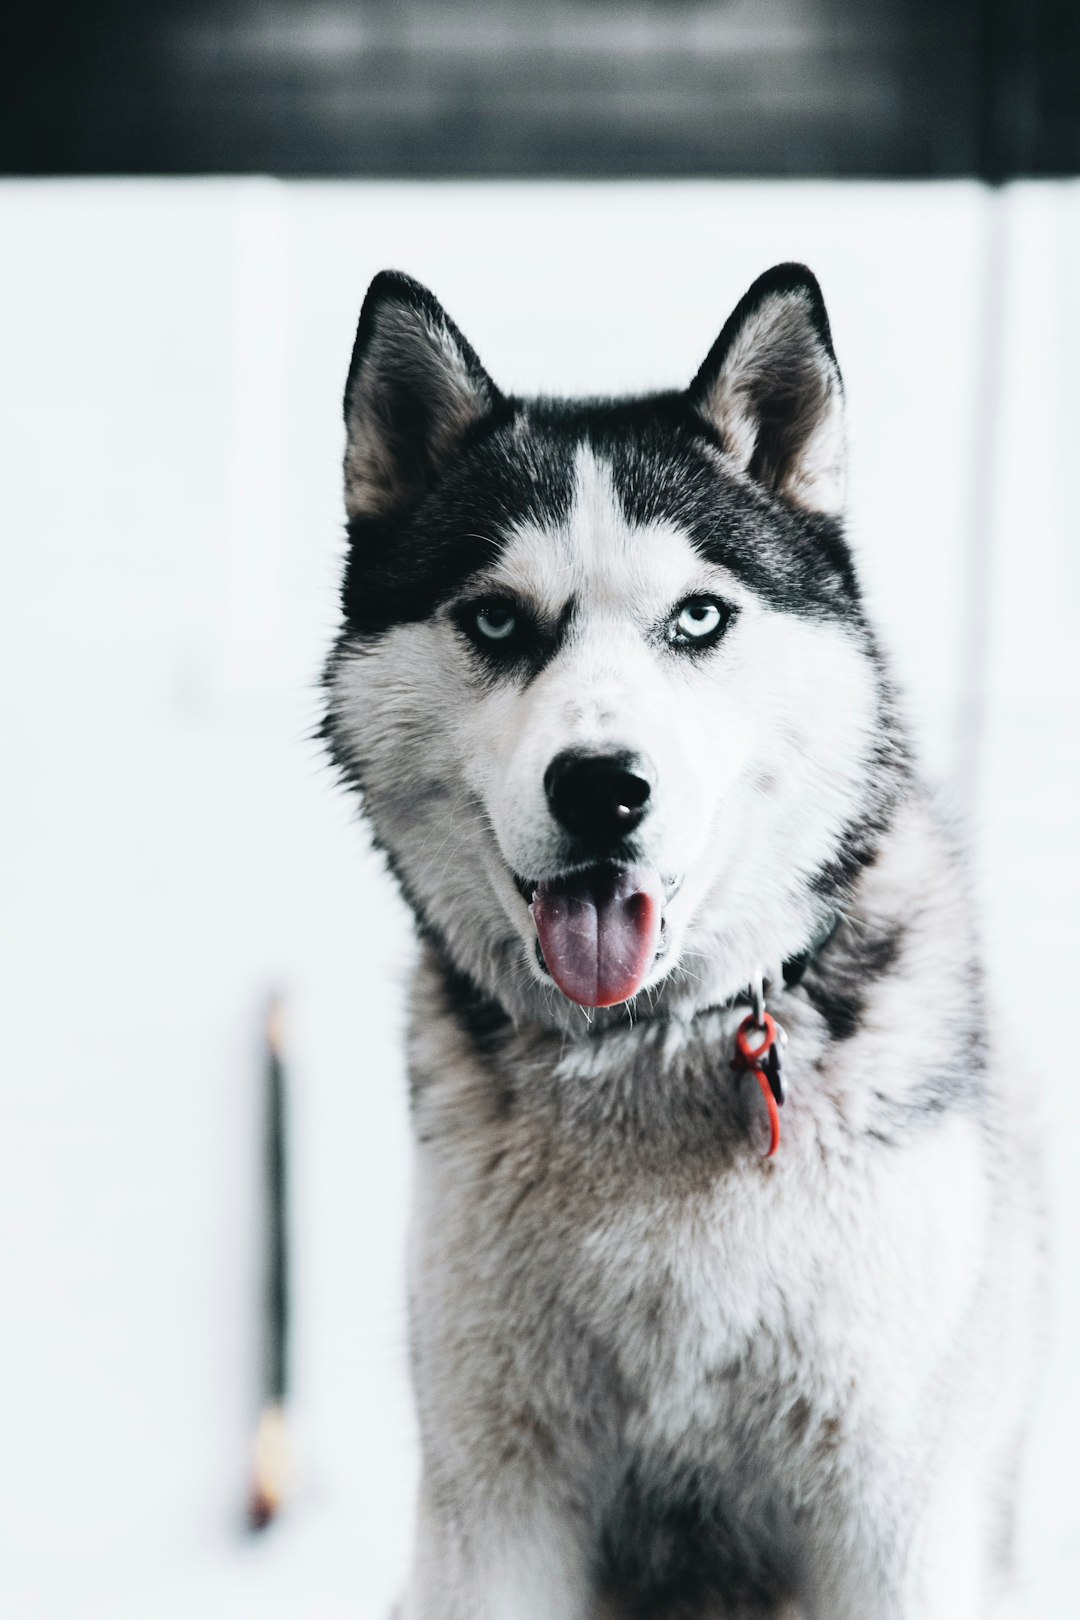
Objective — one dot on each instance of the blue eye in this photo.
(501, 630)
(495, 621)
(699, 620)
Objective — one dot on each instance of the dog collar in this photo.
(791, 973)
(793, 969)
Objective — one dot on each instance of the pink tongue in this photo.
(598, 931)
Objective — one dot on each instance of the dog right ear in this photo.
(415, 389)
(771, 390)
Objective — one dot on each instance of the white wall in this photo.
(172, 360)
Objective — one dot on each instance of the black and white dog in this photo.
(607, 688)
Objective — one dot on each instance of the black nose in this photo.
(598, 797)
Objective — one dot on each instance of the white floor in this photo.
(170, 373)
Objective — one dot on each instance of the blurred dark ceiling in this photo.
(552, 87)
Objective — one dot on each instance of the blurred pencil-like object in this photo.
(270, 1482)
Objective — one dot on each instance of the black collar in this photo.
(795, 966)
(487, 1020)
(793, 969)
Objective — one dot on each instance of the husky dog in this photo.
(606, 685)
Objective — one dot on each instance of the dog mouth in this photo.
(599, 929)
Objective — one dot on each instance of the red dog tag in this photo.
(758, 1049)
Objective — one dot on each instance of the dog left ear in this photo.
(415, 389)
(771, 389)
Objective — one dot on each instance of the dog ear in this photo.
(771, 389)
(415, 389)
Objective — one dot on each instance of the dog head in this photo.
(604, 679)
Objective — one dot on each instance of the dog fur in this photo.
(657, 1374)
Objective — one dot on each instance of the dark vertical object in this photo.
(271, 1446)
(277, 1259)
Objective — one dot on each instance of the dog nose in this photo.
(599, 797)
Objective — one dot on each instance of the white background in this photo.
(174, 847)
